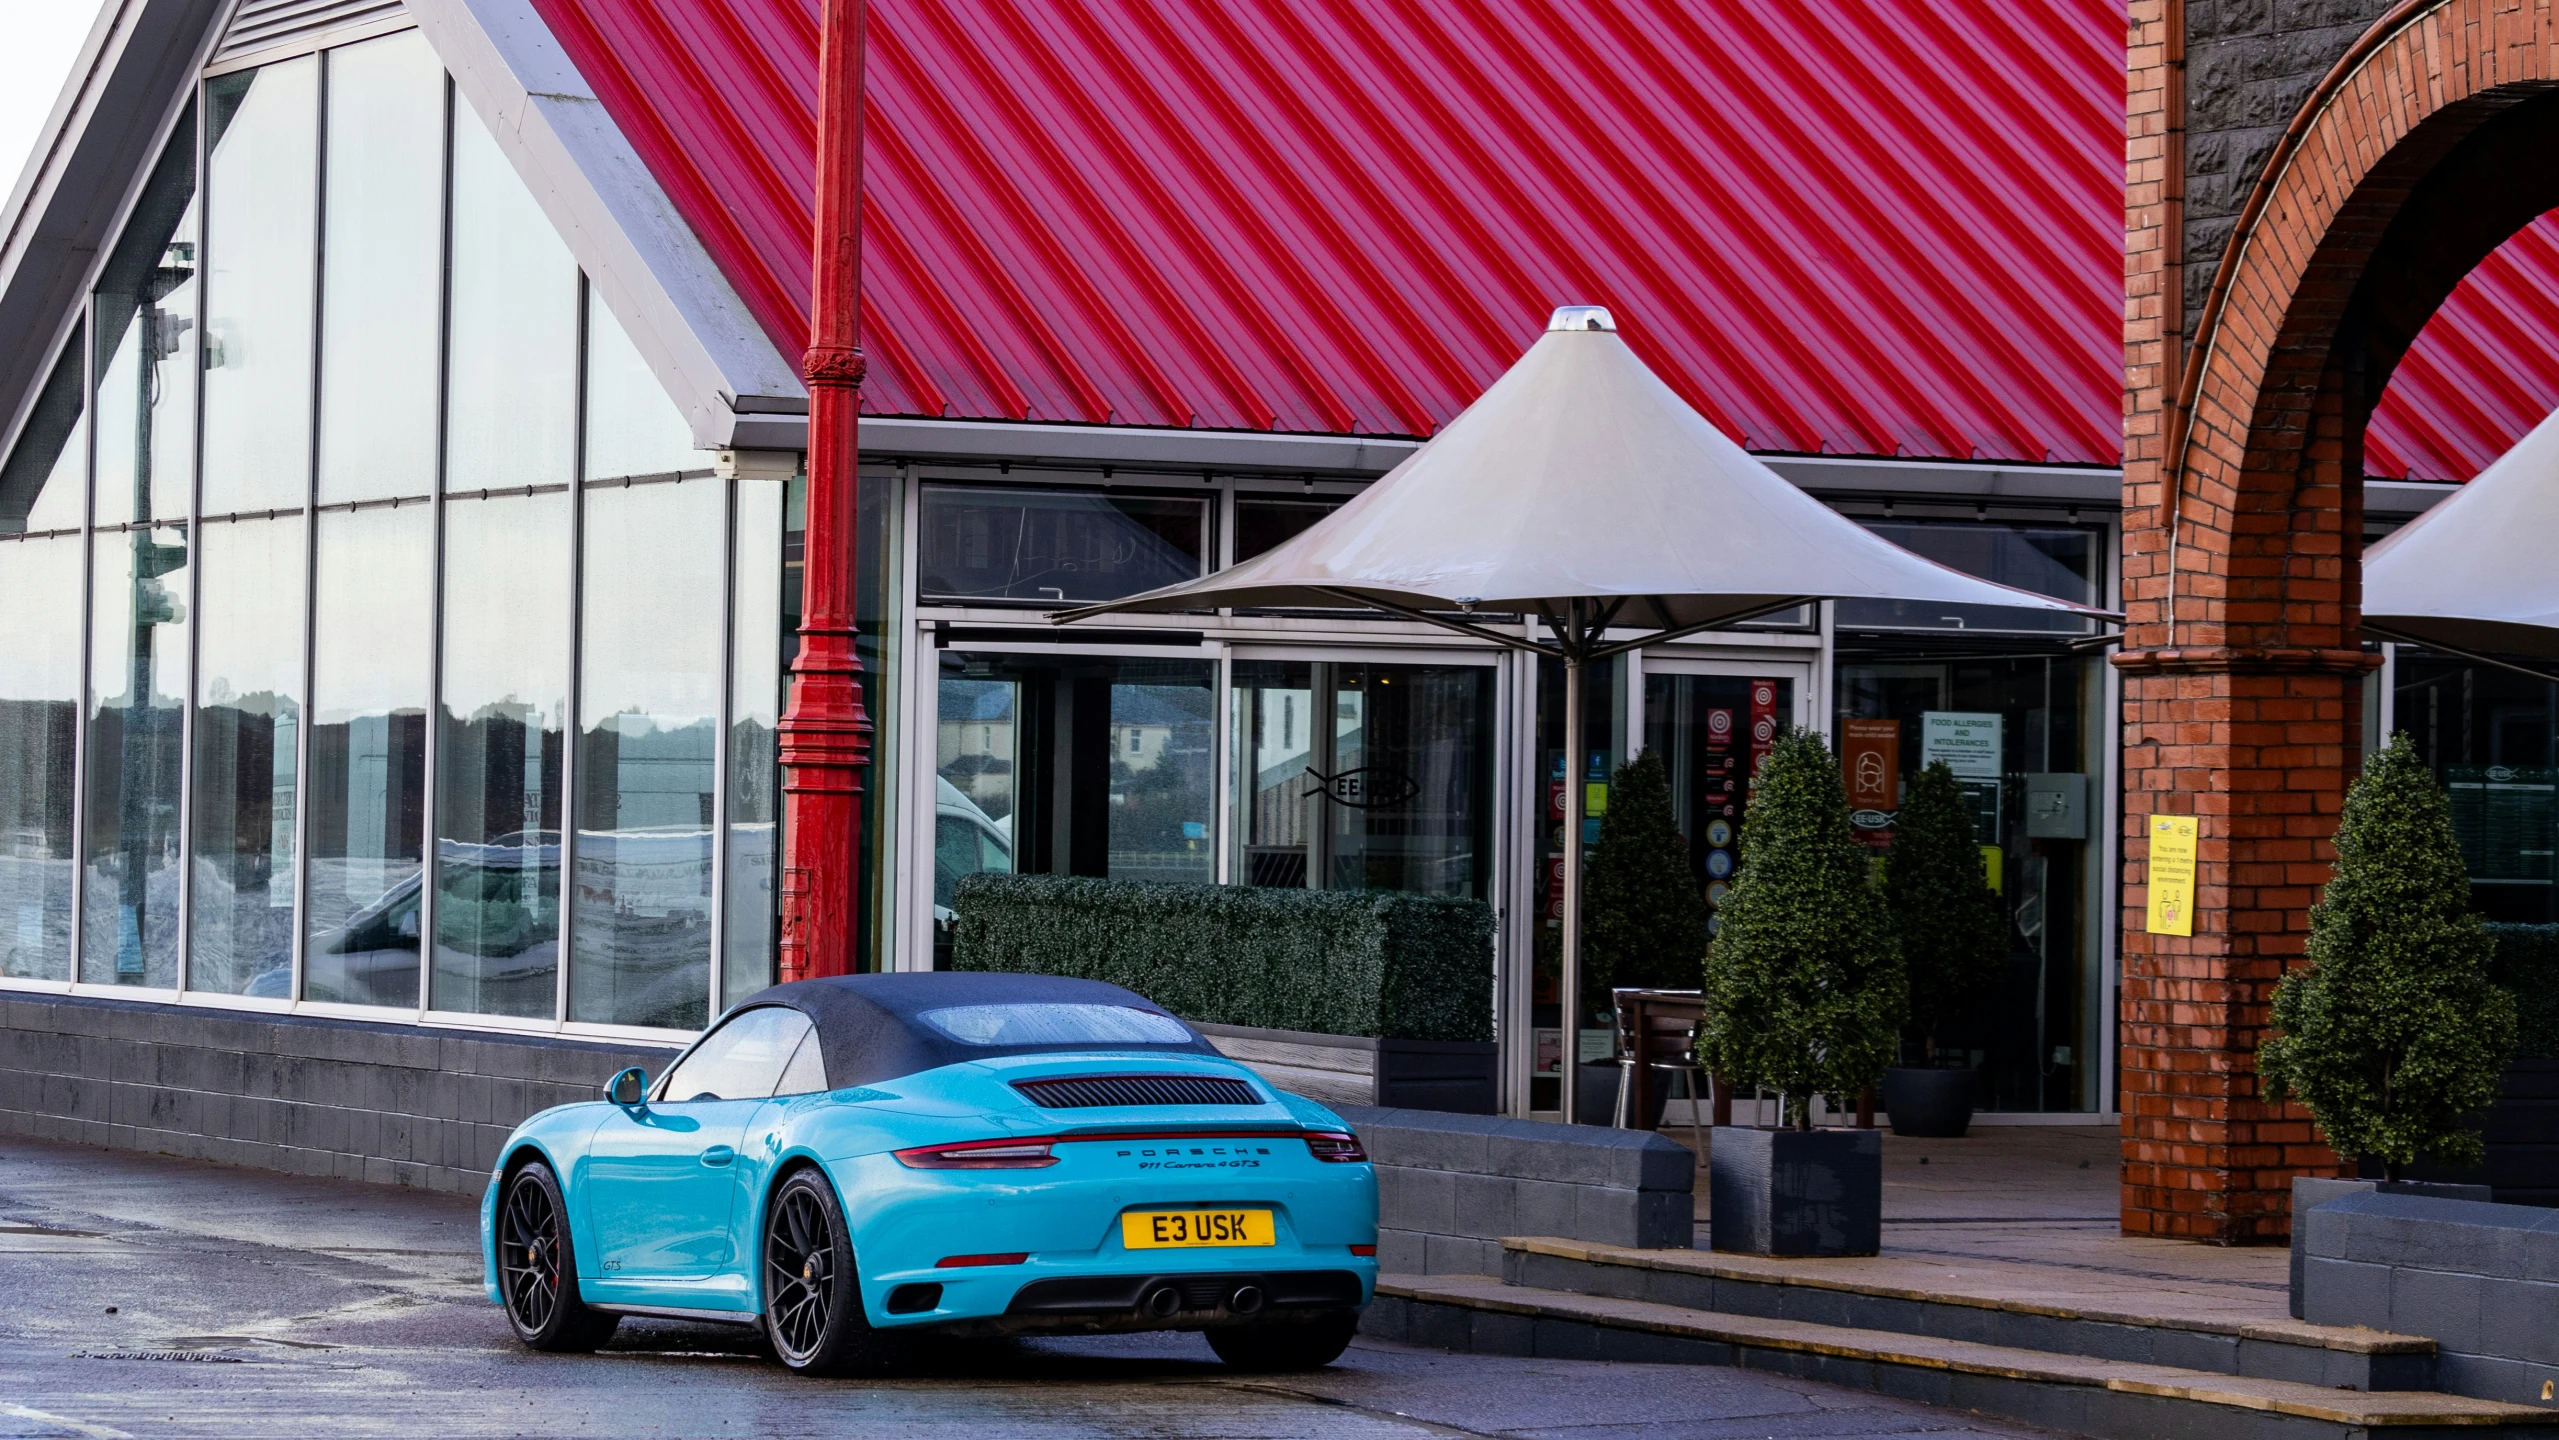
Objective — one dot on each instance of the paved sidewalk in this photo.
(2028, 1212)
(152, 1297)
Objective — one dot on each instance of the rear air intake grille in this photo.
(1085, 1092)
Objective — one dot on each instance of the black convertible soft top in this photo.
(868, 1030)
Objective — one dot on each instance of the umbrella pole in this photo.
(1576, 797)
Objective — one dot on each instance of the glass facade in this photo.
(647, 756)
(756, 642)
(2019, 718)
(320, 536)
(1009, 545)
(382, 260)
(248, 721)
(262, 139)
(372, 651)
(2489, 735)
(1359, 776)
(41, 489)
(499, 754)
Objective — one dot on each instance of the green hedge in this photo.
(2527, 963)
(1399, 967)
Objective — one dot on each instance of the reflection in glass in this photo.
(137, 694)
(146, 337)
(1363, 777)
(366, 790)
(39, 701)
(755, 707)
(506, 683)
(631, 427)
(263, 129)
(383, 259)
(41, 485)
(1163, 795)
(986, 543)
(249, 710)
(1263, 525)
(975, 770)
(2055, 560)
(513, 368)
(649, 705)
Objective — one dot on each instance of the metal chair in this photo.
(1657, 1035)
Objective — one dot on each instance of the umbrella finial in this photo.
(1581, 317)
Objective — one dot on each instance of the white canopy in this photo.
(2476, 572)
(1580, 488)
(1581, 476)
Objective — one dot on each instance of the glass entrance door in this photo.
(1711, 722)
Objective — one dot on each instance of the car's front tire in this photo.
(538, 1267)
(1278, 1346)
(812, 1293)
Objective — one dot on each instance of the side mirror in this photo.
(628, 1089)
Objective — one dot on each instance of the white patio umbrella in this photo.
(1579, 489)
(2475, 572)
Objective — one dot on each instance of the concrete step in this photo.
(2110, 1399)
(2058, 1310)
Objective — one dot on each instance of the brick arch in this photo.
(2417, 154)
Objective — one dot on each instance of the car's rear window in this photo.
(1037, 1024)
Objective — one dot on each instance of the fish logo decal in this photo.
(1370, 787)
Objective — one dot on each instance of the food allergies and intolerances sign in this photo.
(2172, 875)
(1967, 740)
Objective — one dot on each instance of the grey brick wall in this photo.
(395, 1104)
(2249, 65)
(1449, 1187)
(2480, 1280)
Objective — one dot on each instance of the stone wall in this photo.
(393, 1104)
(2481, 1281)
(1449, 1187)
(2249, 66)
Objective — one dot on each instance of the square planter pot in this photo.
(1797, 1192)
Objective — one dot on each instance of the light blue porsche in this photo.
(966, 1154)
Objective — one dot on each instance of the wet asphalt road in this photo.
(149, 1297)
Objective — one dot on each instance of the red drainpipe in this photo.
(825, 735)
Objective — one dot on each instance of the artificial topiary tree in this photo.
(1804, 988)
(1643, 913)
(2393, 1033)
(1954, 938)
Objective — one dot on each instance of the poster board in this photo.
(2172, 875)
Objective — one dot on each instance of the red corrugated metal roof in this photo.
(1873, 227)
(2483, 371)
(1854, 228)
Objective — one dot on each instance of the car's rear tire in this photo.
(812, 1293)
(538, 1267)
(1278, 1346)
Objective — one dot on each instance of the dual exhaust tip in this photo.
(1165, 1301)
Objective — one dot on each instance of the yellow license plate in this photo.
(1189, 1229)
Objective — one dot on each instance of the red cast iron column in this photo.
(825, 735)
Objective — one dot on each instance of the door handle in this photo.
(718, 1155)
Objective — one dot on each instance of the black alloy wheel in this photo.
(812, 1295)
(1278, 1346)
(538, 1270)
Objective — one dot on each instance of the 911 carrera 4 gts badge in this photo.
(1199, 1157)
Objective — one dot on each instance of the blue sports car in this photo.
(963, 1154)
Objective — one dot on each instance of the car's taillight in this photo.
(980, 1155)
(1336, 1148)
(1368, 1250)
(954, 1262)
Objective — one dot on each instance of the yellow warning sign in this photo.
(2172, 875)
